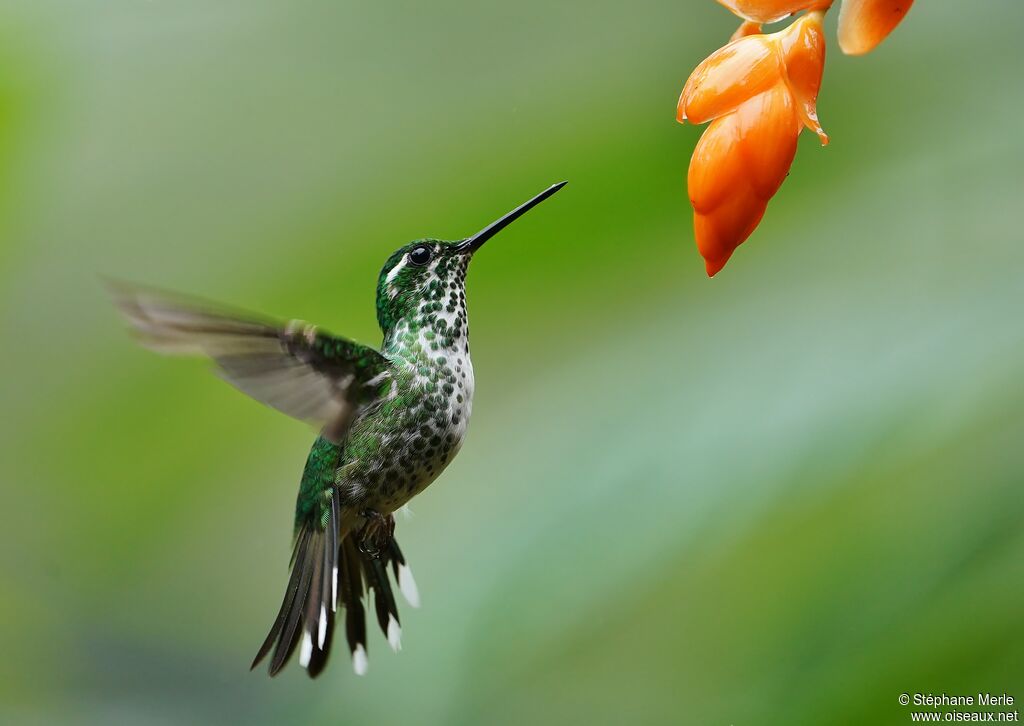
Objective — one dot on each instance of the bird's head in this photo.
(427, 277)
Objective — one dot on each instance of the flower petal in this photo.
(728, 77)
(746, 28)
(766, 11)
(716, 165)
(863, 24)
(738, 165)
(803, 48)
(720, 232)
(767, 128)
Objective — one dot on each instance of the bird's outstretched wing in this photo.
(295, 368)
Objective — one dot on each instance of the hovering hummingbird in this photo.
(390, 421)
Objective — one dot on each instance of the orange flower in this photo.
(863, 24)
(758, 92)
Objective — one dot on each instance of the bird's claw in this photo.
(376, 533)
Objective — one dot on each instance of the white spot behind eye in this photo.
(394, 272)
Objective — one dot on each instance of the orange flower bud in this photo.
(863, 24)
(758, 91)
(767, 11)
(738, 165)
(728, 77)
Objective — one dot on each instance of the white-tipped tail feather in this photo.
(321, 633)
(359, 661)
(347, 581)
(394, 634)
(307, 649)
(407, 585)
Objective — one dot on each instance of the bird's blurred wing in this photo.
(295, 368)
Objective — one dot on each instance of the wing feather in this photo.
(294, 368)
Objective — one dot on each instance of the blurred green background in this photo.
(785, 495)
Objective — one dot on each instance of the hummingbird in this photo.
(390, 421)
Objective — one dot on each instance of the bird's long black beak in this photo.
(472, 244)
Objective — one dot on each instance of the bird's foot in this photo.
(376, 534)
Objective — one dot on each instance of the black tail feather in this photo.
(320, 624)
(290, 634)
(318, 660)
(384, 601)
(351, 594)
(395, 556)
(328, 569)
(289, 597)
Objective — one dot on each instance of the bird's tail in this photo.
(327, 574)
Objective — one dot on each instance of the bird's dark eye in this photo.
(419, 255)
